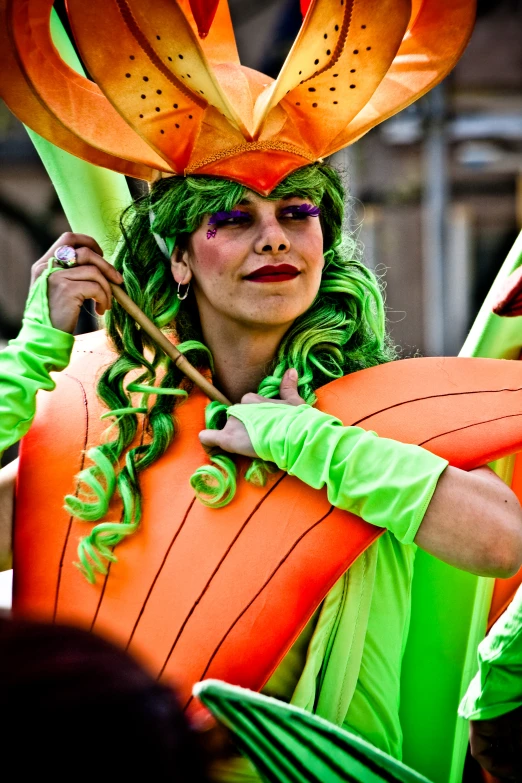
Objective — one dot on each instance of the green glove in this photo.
(26, 362)
(387, 483)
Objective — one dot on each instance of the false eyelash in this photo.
(219, 217)
(307, 209)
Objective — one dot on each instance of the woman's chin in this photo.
(273, 317)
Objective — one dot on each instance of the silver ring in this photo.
(66, 256)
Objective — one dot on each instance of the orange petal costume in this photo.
(271, 556)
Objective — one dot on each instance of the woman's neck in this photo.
(242, 357)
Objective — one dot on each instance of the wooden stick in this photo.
(179, 360)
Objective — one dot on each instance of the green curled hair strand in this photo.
(258, 471)
(343, 331)
(99, 492)
(215, 415)
(118, 412)
(215, 484)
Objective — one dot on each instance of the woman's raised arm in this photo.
(44, 345)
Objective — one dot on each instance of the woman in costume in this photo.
(268, 311)
(224, 255)
(272, 294)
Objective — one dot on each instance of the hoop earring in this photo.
(181, 298)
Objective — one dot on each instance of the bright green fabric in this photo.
(373, 712)
(283, 682)
(352, 672)
(497, 686)
(91, 197)
(387, 483)
(26, 362)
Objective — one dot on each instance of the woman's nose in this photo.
(272, 240)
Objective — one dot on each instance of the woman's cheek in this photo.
(214, 258)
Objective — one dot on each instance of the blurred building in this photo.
(437, 190)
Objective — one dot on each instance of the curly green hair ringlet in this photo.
(343, 331)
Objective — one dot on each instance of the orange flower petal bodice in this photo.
(200, 592)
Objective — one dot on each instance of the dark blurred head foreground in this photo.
(74, 705)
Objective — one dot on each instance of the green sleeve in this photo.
(387, 483)
(497, 686)
(26, 362)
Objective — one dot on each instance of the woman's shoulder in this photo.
(92, 352)
(93, 343)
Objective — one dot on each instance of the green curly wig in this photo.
(343, 331)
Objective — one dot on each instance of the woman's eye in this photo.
(233, 218)
(301, 212)
(233, 221)
(296, 215)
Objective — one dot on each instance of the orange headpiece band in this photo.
(167, 99)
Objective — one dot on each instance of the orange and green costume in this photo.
(237, 124)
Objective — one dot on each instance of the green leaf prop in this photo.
(289, 745)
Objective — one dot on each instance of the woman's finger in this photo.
(210, 439)
(69, 288)
(251, 399)
(86, 256)
(233, 438)
(76, 240)
(288, 388)
(87, 272)
(65, 301)
(68, 238)
(64, 293)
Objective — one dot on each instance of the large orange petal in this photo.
(20, 98)
(439, 33)
(74, 100)
(254, 575)
(340, 57)
(151, 99)
(193, 70)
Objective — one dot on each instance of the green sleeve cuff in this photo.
(497, 686)
(37, 304)
(26, 364)
(387, 483)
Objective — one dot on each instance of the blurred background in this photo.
(436, 191)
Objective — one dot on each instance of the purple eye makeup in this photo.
(304, 210)
(234, 216)
(224, 217)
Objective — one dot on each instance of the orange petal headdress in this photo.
(165, 99)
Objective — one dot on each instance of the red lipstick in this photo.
(273, 274)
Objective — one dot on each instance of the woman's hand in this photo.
(234, 436)
(68, 289)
